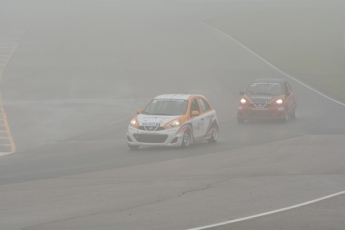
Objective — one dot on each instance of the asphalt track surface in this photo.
(81, 70)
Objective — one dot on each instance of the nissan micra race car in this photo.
(267, 99)
(173, 120)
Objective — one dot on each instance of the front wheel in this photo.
(215, 134)
(186, 139)
(293, 113)
(241, 120)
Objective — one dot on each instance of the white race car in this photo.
(173, 120)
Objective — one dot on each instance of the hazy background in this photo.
(75, 71)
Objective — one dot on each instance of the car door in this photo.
(290, 97)
(207, 116)
(197, 121)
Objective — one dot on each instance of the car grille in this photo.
(147, 128)
(264, 106)
(260, 113)
(148, 138)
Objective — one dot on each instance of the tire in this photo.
(133, 147)
(186, 139)
(241, 120)
(293, 113)
(215, 134)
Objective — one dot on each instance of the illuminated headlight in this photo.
(174, 123)
(243, 101)
(133, 122)
(279, 101)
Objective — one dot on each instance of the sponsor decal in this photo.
(160, 118)
(280, 108)
(187, 126)
(199, 126)
(210, 127)
(240, 107)
(151, 124)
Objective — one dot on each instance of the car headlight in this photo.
(279, 101)
(174, 123)
(243, 101)
(133, 122)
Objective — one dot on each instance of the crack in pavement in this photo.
(208, 186)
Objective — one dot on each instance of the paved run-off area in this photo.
(181, 193)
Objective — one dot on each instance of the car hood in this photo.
(153, 120)
(261, 98)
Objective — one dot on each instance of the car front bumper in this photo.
(273, 112)
(167, 137)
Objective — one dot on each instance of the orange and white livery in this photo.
(173, 120)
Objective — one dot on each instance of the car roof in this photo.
(269, 80)
(176, 96)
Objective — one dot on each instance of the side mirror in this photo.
(241, 93)
(139, 111)
(195, 113)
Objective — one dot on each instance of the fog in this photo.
(74, 72)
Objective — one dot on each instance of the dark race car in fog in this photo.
(267, 99)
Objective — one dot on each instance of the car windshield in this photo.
(168, 107)
(265, 88)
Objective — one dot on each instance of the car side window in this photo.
(204, 105)
(194, 106)
(287, 88)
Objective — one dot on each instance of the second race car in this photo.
(267, 99)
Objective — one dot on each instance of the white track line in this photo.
(274, 67)
(282, 209)
(269, 213)
(4, 154)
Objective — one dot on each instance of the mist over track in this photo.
(77, 76)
